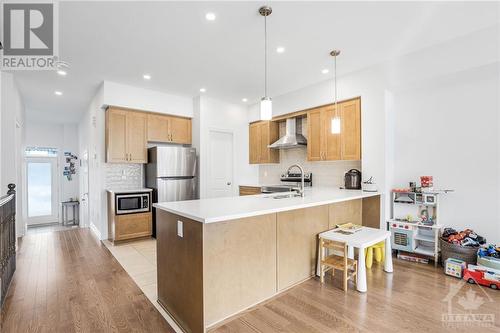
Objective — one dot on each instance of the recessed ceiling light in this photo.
(244, 100)
(58, 93)
(62, 72)
(203, 90)
(146, 77)
(280, 49)
(325, 71)
(210, 16)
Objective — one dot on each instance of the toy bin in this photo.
(465, 253)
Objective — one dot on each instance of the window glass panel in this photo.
(41, 152)
(39, 189)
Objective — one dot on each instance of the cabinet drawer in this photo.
(133, 226)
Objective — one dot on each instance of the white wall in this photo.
(449, 129)
(64, 137)
(147, 100)
(91, 135)
(12, 143)
(218, 115)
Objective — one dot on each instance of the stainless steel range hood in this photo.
(293, 137)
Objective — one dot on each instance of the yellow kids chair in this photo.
(379, 253)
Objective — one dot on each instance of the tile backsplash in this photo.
(325, 173)
(123, 176)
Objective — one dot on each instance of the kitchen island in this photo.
(217, 257)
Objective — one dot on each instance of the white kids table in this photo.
(361, 239)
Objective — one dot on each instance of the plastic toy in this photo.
(483, 276)
(454, 267)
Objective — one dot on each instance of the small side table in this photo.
(76, 212)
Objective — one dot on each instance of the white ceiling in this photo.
(172, 41)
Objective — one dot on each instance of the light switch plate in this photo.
(180, 229)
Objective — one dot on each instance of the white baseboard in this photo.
(95, 231)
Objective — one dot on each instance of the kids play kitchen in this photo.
(414, 221)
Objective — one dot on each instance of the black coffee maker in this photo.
(352, 180)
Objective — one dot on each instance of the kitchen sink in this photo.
(277, 188)
(286, 196)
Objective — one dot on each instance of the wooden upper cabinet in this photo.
(332, 147)
(322, 144)
(163, 128)
(137, 137)
(180, 130)
(128, 133)
(158, 128)
(116, 135)
(350, 115)
(254, 143)
(125, 136)
(262, 134)
(314, 136)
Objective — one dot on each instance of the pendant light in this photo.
(335, 125)
(266, 104)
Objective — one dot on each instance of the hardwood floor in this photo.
(412, 299)
(68, 281)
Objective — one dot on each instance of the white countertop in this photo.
(230, 208)
(129, 190)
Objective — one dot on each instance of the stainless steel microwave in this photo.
(131, 203)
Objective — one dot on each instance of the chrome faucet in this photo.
(301, 189)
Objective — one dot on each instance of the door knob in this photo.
(228, 183)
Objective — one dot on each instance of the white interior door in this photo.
(84, 193)
(42, 190)
(220, 168)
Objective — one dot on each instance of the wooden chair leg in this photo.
(345, 279)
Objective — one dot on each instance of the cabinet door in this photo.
(297, 235)
(180, 130)
(116, 135)
(269, 133)
(158, 128)
(137, 137)
(254, 143)
(314, 135)
(331, 151)
(133, 226)
(350, 115)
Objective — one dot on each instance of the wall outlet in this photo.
(180, 229)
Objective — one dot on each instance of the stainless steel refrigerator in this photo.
(171, 173)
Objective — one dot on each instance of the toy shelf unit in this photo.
(414, 223)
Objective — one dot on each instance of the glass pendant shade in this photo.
(335, 126)
(266, 108)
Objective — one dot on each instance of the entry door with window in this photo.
(42, 188)
(220, 183)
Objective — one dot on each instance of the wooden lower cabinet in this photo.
(130, 226)
(240, 267)
(250, 190)
(345, 212)
(297, 235)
